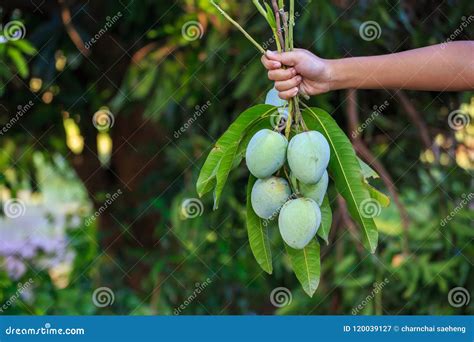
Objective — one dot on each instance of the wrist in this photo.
(341, 75)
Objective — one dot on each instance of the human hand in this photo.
(305, 73)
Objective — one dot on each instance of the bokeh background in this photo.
(109, 108)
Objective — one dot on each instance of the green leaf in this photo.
(207, 176)
(345, 170)
(258, 234)
(270, 16)
(259, 7)
(233, 137)
(367, 171)
(19, 61)
(306, 264)
(380, 197)
(142, 83)
(227, 144)
(24, 46)
(223, 169)
(326, 220)
(246, 82)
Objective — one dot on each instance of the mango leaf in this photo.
(306, 264)
(380, 197)
(230, 138)
(367, 171)
(258, 234)
(207, 177)
(233, 137)
(223, 170)
(270, 16)
(345, 170)
(326, 220)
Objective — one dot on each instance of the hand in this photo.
(306, 73)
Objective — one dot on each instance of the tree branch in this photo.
(347, 221)
(276, 10)
(416, 118)
(366, 154)
(71, 30)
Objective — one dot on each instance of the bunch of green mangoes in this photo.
(307, 154)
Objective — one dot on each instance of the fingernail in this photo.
(270, 53)
(293, 71)
(298, 78)
(295, 91)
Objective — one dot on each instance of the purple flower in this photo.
(15, 267)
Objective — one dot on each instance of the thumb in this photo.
(286, 58)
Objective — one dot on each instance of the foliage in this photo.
(155, 262)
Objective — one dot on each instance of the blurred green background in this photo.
(109, 108)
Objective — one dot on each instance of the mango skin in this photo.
(273, 99)
(266, 153)
(268, 195)
(308, 156)
(299, 221)
(314, 191)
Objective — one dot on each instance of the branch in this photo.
(241, 29)
(347, 221)
(158, 54)
(284, 17)
(366, 154)
(291, 24)
(278, 22)
(71, 30)
(416, 118)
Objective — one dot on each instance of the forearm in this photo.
(437, 68)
